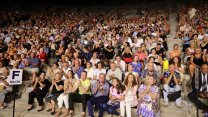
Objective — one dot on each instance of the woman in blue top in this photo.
(137, 65)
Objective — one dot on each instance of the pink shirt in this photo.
(114, 92)
(142, 56)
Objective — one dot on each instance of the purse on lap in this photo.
(174, 96)
(2, 87)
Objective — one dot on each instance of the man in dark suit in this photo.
(200, 87)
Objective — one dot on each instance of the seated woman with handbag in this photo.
(70, 86)
(130, 93)
(41, 86)
(115, 96)
(55, 90)
(148, 95)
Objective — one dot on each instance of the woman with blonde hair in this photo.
(148, 95)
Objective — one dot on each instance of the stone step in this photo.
(22, 104)
(7, 112)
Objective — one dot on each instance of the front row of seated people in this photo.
(97, 95)
(102, 96)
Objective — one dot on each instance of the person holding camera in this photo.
(41, 86)
(100, 91)
(172, 86)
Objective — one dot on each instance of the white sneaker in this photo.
(166, 104)
(179, 105)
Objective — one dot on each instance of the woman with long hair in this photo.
(70, 86)
(115, 96)
(177, 63)
(130, 95)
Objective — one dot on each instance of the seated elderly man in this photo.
(113, 72)
(149, 71)
(32, 64)
(200, 89)
(4, 86)
(172, 86)
(100, 91)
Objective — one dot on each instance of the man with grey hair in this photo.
(113, 72)
(100, 91)
(149, 71)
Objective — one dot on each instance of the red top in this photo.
(42, 57)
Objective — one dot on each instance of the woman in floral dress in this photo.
(148, 95)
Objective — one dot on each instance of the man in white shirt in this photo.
(113, 72)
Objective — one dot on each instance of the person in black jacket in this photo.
(41, 86)
(200, 90)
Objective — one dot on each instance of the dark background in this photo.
(56, 5)
(11, 3)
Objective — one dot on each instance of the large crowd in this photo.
(104, 62)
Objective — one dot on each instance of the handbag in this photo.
(129, 98)
(113, 103)
(132, 100)
(174, 96)
(49, 95)
(2, 87)
(128, 60)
